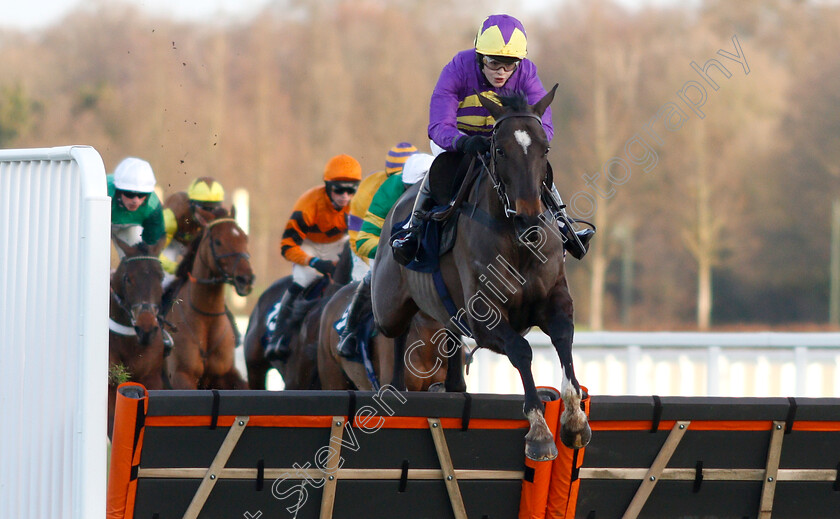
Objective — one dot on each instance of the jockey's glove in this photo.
(323, 266)
(473, 144)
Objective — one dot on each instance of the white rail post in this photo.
(54, 266)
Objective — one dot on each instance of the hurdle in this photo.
(327, 454)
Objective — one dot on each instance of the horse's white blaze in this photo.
(523, 139)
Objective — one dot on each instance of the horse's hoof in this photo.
(541, 451)
(576, 439)
(437, 387)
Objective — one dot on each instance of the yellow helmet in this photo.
(502, 35)
(206, 189)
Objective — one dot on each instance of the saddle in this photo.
(448, 192)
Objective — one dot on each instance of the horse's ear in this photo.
(157, 248)
(233, 212)
(495, 109)
(543, 103)
(203, 217)
(127, 249)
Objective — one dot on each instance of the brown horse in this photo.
(300, 370)
(203, 353)
(425, 362)
(135, 343)
(505, 272)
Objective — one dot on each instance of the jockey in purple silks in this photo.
(458, 123)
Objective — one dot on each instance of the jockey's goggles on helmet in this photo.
(496, 64)
(341, 188)
(133, 194)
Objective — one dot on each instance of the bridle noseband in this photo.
(498, 185)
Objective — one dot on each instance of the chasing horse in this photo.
(135, 325)
(204, 340)
(374, 366)
(300, 369)
(505, 270)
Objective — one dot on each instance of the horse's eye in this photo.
(500, 152)
(547, 150)
(218, 242)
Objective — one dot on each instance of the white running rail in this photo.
(54, 267)
(766, 364)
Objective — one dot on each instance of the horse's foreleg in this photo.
(398, 378)
(575, 432)
(539, 443)
(255, 362)
(455, 382)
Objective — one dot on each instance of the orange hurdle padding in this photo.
(127, 443)
(563, 492)
(535, 485)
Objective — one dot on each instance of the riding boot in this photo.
(575, 242)
(278, 347)
(406, 242)
(348, 341)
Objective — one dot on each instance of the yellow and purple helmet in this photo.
(502, 35)
(396, 157)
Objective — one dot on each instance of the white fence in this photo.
(54, 266)
(765, 364)
(680, 364)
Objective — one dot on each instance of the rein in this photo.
(217, 267)
(192, 305)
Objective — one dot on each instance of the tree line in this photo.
(699, 139)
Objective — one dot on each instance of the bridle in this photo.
(498, 185)
(225, 277)
(139, 307)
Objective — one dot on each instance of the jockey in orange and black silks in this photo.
(314, 238)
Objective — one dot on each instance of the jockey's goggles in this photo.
(339, 187)
(496, 65)
(207, 206)
(133, 194)
(341, 190)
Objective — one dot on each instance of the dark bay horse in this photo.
(135, 342)
(426, 363)
(300, 370)
(505, 272)
(203, 353)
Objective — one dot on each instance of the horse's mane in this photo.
(143, 249)
(516, 101)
